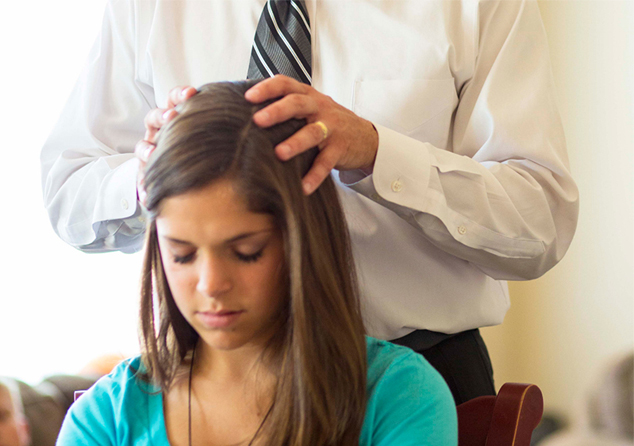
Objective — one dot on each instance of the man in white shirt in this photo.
(470, 185)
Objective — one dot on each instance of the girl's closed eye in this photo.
(249, 258)
(187, 258)
(243, 257)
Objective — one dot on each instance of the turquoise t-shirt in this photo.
(409, 404)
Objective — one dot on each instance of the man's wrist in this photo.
(367, 170)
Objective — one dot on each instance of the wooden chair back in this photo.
(507, 419)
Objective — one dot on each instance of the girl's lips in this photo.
(222, 319)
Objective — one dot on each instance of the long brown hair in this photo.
(320, 394)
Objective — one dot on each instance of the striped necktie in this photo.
(282, 42)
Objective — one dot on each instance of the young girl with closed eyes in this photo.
(250, 324)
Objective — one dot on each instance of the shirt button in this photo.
(124, 204)
(397, 186)
(462, 230)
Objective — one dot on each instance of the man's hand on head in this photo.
(154, 120)
(345, 140)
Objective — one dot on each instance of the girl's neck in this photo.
(230, 395)
(239, 366)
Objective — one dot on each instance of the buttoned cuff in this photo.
(118, 193)
(400, 177)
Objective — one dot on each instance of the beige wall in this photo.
(563, 326)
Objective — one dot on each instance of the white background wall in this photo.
(59, 308)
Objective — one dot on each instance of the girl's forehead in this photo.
(214, 213)
(220, 193)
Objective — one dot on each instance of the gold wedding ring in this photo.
(323, 128)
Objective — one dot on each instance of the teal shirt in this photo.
(409, 404)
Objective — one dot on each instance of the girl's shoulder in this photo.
(407, 401)
(125, 379)
(384, 356)
(119, 405)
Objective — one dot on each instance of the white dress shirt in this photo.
(471, 184)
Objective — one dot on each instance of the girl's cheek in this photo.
(182, 281)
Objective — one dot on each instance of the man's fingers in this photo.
(158, 117)
(143, 150)
(291, 106)
(140, 183)
(140, 190)
(323, 164)
(274, 87)
(155, 119)
(311, 135)
(178, 95)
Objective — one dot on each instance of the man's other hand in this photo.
(154, 120)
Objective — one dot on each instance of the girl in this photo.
(250, 321)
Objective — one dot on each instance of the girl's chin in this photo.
(225, 341)
(235, 337)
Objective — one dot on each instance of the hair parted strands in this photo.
(320, 350)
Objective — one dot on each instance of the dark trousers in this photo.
(462, 360)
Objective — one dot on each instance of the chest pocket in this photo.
(419, 108)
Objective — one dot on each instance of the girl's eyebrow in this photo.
(231, 240)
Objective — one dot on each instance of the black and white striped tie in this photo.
(282, 42)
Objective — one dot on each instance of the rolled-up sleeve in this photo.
(88, 164)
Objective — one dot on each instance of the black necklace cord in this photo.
(261, 424)
(189, 399)
(189, 406)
